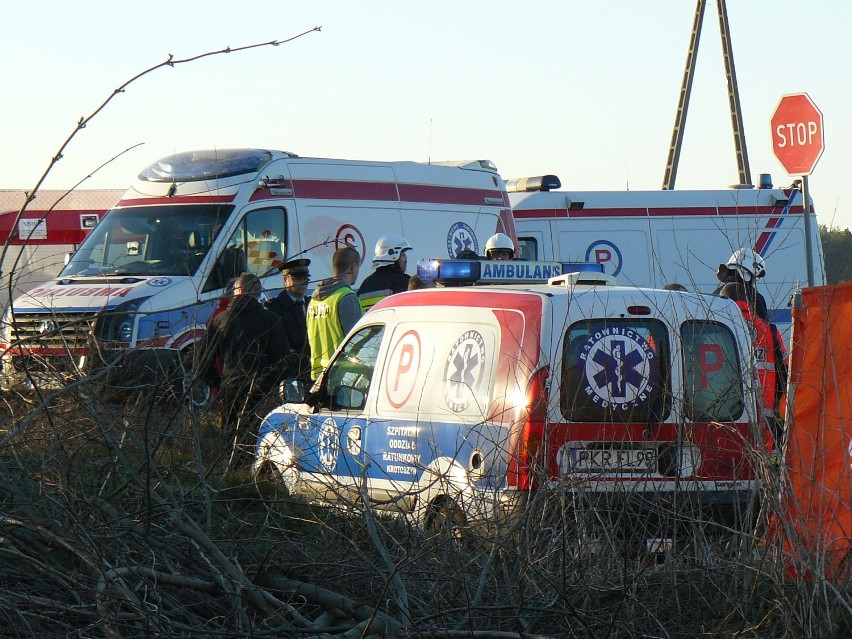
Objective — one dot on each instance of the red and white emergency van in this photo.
(465, 401)
(653, 238)
(147, 278)
(54, 225)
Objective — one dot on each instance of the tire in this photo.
(269, 472)
(445, 518)
(187, 386)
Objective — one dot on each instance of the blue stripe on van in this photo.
(398, 451)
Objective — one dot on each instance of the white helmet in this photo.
(389, 248)
(747, 263)
(499, 241)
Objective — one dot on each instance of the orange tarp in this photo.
(816, 505)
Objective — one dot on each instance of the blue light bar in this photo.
(582, 267)
(535, 183)
(192, 166)
(449, 272)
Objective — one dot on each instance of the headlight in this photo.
(116, 325)
(125, 329)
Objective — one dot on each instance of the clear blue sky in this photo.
(586, 90)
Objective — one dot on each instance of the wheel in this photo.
(186, 386)
(446, 518)
(268, 471)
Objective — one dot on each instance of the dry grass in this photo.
(119, 520)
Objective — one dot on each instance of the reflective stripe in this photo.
(369, 300)
(765, 366)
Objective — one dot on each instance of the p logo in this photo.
(606, 253)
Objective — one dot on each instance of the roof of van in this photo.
(665, 199)
(460, 295)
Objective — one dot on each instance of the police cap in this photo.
(296, 267)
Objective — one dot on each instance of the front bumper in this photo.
(127, 369)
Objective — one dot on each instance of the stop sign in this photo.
(797, 135)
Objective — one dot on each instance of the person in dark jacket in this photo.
(291, 306)
(224, 302)
(251, 344)
(390, 262)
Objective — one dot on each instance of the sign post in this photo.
(798, 142)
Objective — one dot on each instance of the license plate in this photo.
(607, 460)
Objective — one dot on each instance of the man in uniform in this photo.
(334, 308)
(769, 355)
(291, 306)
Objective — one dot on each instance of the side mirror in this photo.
(293, 391)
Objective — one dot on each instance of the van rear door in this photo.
(654, 398)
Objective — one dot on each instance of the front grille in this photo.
(52, 332)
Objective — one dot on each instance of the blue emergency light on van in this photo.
(450, 272)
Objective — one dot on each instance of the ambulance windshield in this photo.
(151, 240)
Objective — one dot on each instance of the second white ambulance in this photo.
(653, 238)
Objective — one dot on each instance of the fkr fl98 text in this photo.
(147, 278)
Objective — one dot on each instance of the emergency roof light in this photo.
(583, 278)
(536, 183)
(470, 272)
(194, 166)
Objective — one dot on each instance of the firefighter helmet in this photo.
(389, 249)
(748, 263)
(499, 242)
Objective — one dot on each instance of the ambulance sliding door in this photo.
(341, 205)
(436, 388)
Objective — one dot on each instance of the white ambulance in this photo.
(653, 238)
(151, 273)
(461, 403)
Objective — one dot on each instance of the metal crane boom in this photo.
(686, 89)
(734, 96)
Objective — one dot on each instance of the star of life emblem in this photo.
(619, 367)
(328, 444)
(464, 370)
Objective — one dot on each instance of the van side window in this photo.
(616, 370)
(258, 245)
(528, 248)
(713, 381)
(350, 374)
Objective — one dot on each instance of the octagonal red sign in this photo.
(797, 133)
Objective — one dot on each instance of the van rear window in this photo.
(616, 370)
(713, 380)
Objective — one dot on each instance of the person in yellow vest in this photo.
(334, 308)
